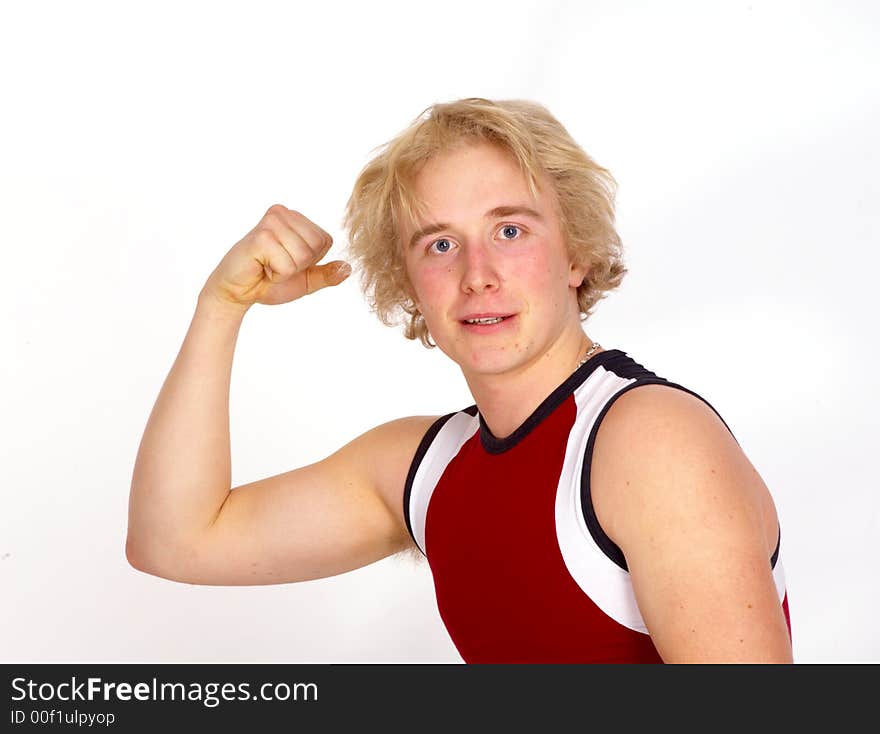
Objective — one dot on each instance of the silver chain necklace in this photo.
(589, 354)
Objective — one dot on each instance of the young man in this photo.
(584, 509)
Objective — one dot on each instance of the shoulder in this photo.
(402, 429)
(696, 524)
(646, 418)
(384, 453)
(390, 446)
(664, 455)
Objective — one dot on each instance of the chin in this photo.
(492, 351)
(485, 363)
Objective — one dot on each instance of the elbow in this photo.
(133, 555)
(164, 567)
(140, 559)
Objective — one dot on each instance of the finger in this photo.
(317, 238)
(276, 259)
(279, 238)
(321, 276)
(302, 254)
(306, 243)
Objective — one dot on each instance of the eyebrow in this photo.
(498, 211)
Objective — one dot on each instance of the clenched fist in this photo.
(276, 262)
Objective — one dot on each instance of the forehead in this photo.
(468, 164)
(474, 177)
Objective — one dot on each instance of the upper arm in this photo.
(674, 490)
(320, 520)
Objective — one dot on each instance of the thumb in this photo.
(332, 273)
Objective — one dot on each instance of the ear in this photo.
(576, 275)
(404, 284)
(411, 294)
(415, 301)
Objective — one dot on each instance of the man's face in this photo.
(489, 250)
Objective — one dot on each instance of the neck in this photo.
(506, 399)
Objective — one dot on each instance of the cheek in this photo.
(545, 279)
(430, 284)
(539, 274)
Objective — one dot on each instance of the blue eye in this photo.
(443, 245)
(507, 229)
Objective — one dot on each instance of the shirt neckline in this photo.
(495, 445)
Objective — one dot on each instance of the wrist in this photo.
(212, 305)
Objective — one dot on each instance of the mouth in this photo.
(487, 324)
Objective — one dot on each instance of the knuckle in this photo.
(273, 219)
(264, 236)
(287, 267)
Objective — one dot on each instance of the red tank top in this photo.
(522, 570)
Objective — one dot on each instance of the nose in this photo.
(480, 269)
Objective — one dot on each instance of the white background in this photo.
(139, 142)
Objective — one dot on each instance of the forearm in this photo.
(182, 473)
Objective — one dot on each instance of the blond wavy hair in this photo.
(382, 198)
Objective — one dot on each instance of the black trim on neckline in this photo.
(495, 445)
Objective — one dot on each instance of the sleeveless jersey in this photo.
(523, 572)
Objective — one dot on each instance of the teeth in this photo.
(486, 321)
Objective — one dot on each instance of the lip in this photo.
(488, 328)
(490, 315)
